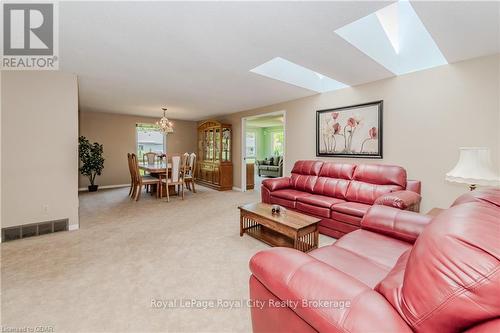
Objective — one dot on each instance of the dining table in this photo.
(158, 169)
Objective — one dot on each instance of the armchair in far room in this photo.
(271, 167)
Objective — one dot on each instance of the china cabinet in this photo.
(214, 166)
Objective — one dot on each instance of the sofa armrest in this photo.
(324, 297)
(275, 184)
(414, 186)
(396, 223)
(407, 200)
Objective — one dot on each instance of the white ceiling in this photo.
(195, 57)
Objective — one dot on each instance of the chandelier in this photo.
(164, 124)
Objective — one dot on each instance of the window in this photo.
(149, 139)
(277, 143)
(251, 145)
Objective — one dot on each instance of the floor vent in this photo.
(34, 229)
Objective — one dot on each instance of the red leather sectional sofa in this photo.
(341, 194)
(401, 272)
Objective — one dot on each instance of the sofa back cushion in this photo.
(305, 174)
(337, 170)
(334, 179)
(373, 180)
(452, 277)
(381, 174)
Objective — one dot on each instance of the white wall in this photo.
(428, 115)
(39, 141)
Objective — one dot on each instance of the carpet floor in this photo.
(112, 274)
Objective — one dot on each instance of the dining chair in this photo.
(149, 158)
(131, 171)
(176, 176)
(190, 172)
(139, 180)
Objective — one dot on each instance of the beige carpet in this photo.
(126, 254)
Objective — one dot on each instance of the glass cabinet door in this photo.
(211, 144)
(226, 144)
(217, 144)
(206, 145)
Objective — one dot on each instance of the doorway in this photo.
(263, 148)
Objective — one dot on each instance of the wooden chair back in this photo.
(135, 168)
(176, 173)
(184, 162)
(149, 158)
(191, 165)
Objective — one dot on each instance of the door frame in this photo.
(243, 143)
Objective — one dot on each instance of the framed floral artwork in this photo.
(350, 131)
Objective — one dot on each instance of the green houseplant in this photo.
(92, 161)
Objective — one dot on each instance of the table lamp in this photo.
(473, 168)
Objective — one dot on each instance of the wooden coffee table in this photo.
(288, 229)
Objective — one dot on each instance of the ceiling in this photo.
(195, 57)
(265, 121)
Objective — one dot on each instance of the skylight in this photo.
(394, 37)
(289, 72)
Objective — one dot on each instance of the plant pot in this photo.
(93, 188)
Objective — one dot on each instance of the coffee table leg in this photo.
(316, 239)
(241, 225)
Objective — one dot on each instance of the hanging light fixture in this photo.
(164, 124)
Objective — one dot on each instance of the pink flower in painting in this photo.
(372, 133)
(335, 115)
(351, 122)
(336, 128)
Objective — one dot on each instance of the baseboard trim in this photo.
(237, 189)
(73, 227)
(83, 189)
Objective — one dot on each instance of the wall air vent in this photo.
(34, 229)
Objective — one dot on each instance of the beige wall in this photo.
(428, 115)
(117, 133)
(39, 171)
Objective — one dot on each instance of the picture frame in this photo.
(354, 131)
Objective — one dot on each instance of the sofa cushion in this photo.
(305, 167)
(381, 174)
(337, 225)
(331, 187)
(359, 267)
(367, 193)
(288, 194)
(304, 175)
(303, 183)
(312, 210)
(337, 170)
(380, 249)
(320, 200)
(351, 208)
(273, 168)
(282, 202)
(345, 218)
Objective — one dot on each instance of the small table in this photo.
(288, 229)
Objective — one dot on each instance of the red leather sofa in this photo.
(401, 272)
(341, 194)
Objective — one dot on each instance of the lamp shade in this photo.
(473, 167)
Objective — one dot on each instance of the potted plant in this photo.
(92, 161)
